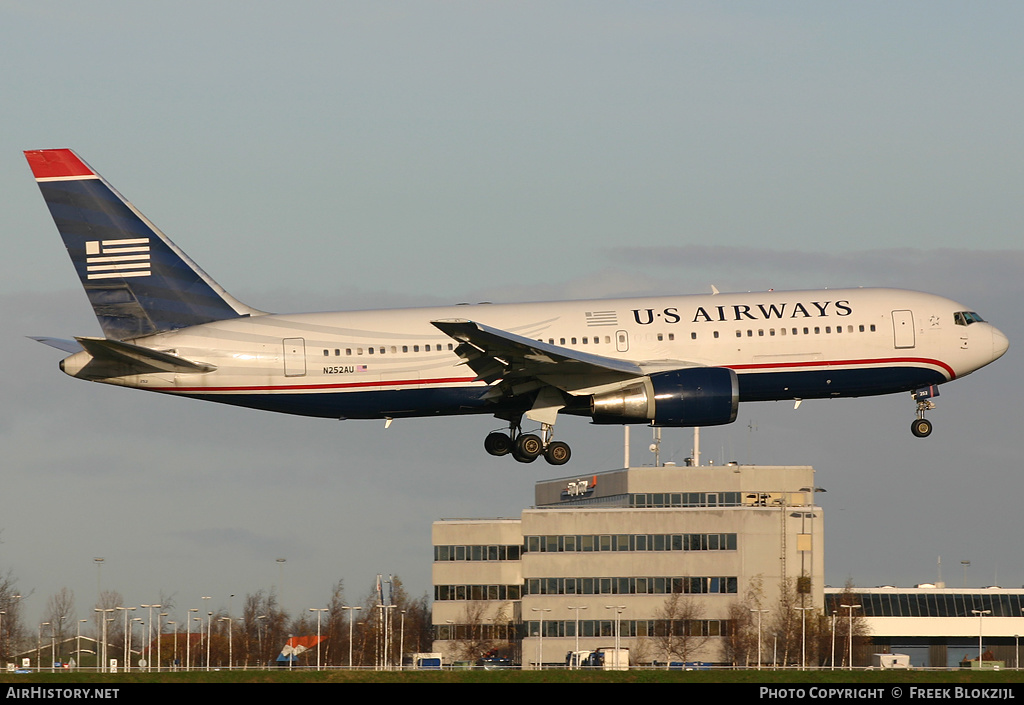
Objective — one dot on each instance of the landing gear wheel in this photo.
(523, 458)
(498, 443)
(557, 453)
(527, 447)
(921, 427)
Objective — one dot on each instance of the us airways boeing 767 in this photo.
(668, 361)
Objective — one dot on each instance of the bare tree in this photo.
(334, 630)
(264, 627)
(474, 639)
(60, 613)
(12, 630)
(412, 619)
(741, 642)
(408, 624)
(679, 631)
(845, 619)
(109, 601)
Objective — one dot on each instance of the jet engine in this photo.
(695, 396)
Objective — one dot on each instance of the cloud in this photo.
(964, 270)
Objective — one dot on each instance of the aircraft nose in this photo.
(1000, 343)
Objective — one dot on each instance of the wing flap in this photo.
(495, 354)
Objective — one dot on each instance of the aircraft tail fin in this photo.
(137, 280)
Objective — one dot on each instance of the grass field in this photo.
(790, 678)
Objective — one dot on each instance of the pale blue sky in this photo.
(336, 155)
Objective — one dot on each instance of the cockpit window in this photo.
(966, 318)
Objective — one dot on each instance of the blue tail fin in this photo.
(137, 280)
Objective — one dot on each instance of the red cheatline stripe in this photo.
(56, 164)
(464, 380)
(308, 387)
(840, 363)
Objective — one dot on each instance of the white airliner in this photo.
(667, 361)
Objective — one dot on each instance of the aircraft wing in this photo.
(495, 354)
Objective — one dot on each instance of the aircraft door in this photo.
(294, 357)
(621, 341)
(903, 329)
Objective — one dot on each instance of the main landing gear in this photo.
(922, 427)
(527, 447)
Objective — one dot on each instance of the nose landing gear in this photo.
(922, 427)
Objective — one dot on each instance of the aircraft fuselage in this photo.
(395, 363)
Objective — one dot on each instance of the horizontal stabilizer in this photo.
(71, 346)
(139, 357)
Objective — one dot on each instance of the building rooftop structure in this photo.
(715, 554)
(936, 625)
(655, 559)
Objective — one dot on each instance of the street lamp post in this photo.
(231, 652)
(149, 635)
(188, 637)
(126, 610)
(833, 661)
(850, 635)
(401, 644)
(759, 636)
(540, 635)
(209, 630)
(53, 646)
(103, 647)
(319, 612)
(199, 619)
(980, 613)
(130, 635)
(1018, 642)
(350, 624)
(159, 639)
(576, 654)
(78, 644)
(619, 609)
(803, 637)
(260, 629)
(174, 655)
(385, 624)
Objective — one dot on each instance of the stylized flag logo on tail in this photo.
(111, 259)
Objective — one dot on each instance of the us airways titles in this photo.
(746, 312)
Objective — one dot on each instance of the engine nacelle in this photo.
(696, 396)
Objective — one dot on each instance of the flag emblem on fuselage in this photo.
(113, 259)
(602, 318)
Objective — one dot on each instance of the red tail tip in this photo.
(56, 163)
